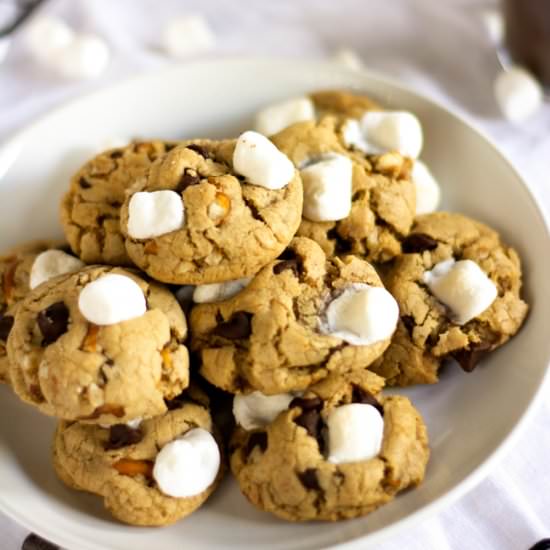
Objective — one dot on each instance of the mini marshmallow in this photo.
(46, 35)
(353, 137)
(217, 292)
(260, 162)
(277, 117)
(135, 423)
(256, 410)
(187, 35)
(111, 299)
(494, 25)
(188, 465)
(151, 214)
(52, 263)
(362, 315)
(427, 189)
(518, 94)
(355, 433)
(327, 188)
(348, 58)
(463, 287)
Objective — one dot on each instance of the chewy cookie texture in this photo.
(305, 267)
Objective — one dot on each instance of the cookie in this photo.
(101, 345)
(380, 196)
(200, 217)
(90, 210)
(343, 103)
(465, 308)
(301, 318)
(19, 270)
(336, 452)
(152, 474)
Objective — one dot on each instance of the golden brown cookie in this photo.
(343, 103)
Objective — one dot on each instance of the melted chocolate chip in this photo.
(360, 395)
(116, 154)
(84, 184)
(6, 322)
(293, 265)
(187, 180)
(418, 242)
(237, 327)
(313, 403)
(308, 478)
(256, 439)
(34, 542)
(469, 358)
(409, 323)
(202, 151)
(287, 254)
(53, 322)
(311, 421)
(122, 435)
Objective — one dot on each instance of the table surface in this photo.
(438, 48)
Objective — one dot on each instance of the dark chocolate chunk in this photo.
(360, 395)
(293, 265)
(469, 358)
(200, 150)
(84, 184)
(121, 435)
(256, 439)
(6, 322)
(409, 323)
(187, 180)
(311, 421)
(237, 327)
(34, 542)
(418, 242)
(308, 478)
(53, 322)
(313, 403)
(116, 154)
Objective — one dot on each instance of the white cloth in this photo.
(439, 48)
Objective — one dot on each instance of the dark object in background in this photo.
(34, 542)
(13, 13)
(543, 544)
(528, 35)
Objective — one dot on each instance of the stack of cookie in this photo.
(312, 271)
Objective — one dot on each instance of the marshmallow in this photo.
(155, 213)
(277, 117)
(427, 189)
(353, 137)
(348, 58)
(217, 292)
(518, 94)
(260, 162)
(46, 35)
(135, 423)
(187, 35)
(188, 465)
(111, 299)
(355, 432)
(327, 188)
(362, 315)
(494, 25)
(463, 287)
(52, 263)
(256, 410)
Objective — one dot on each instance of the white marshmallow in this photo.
(256, 410)
(155, 213)
(52, 263)
(353, 137)
(111, 299)
(348, 58)
(135, 423)
(188, 465)
(260, 162)
(355, 433)
(362, 315)
(277, 117)
(187, 35)
(518, 94)
(217, 292)
(428, 193)
(327, 188)
(46, 35)
(4, 48)
(494, 25)
(463, 287)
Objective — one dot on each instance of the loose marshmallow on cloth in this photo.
(362, 315)
(278, 116)
(52, 263)
(188, 465)
(46, 35)
(428, 193)
(463, 287)
(217, 292)
(518, 94)
(260, 162)
(111, 299)
(327, 188)
(348, 58)
(256, 410)
(355, 433)
(187, 35)
(85, 57)
(151, 214)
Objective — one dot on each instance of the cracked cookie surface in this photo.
(232, 228)
(90, 210)
(76, 370)
(268, 336)
(116, 463)
(383, 196)
(426, 335)
(282, 468)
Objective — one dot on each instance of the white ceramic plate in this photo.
(471, 418)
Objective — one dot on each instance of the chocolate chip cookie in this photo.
(75, 369)
(290, 467)
(428, 332)
(342, 103)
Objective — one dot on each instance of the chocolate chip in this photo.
(6, 322)
(53, 322)
(307, 404)
(358, 195)
(409, 323)
(308, 478)
(418, 242)
(200, 150)
(175, 403)
(116, 154)
(360, 395)
(84, 184)
(256, 439)
(121, 435)
(469, 358)
(543, 544)
(34, 542)
(187, 180)
(287, 254)
(311, 421)
(237, 327)
(293, 265)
